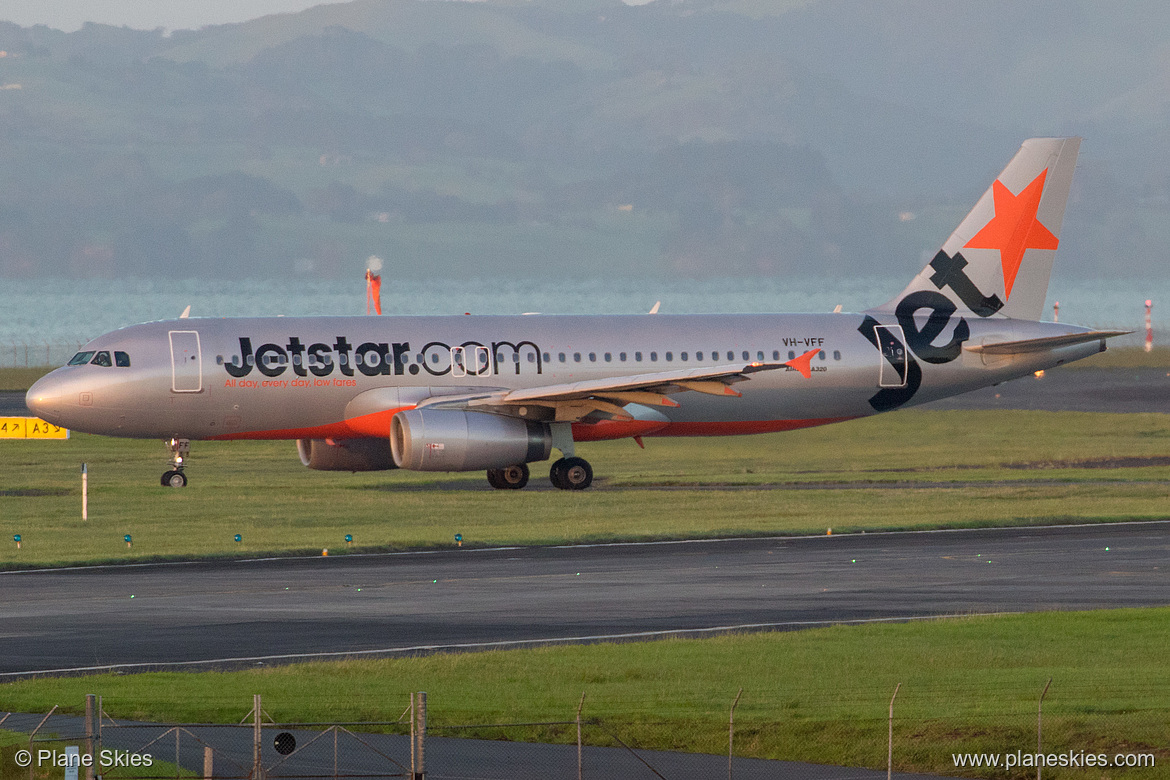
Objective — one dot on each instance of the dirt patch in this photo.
(32, 492)
(1094, 463)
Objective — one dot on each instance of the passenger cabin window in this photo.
(746, 355)
(730, 355)
(698, 356)
(561, 356)
(653, 357)
(836, 354)
(775, 354)
(791, 355)
(682, 356)
(576, 357)
(760, 355)
(608, 358)
(592, 357)
(81, 358)
(101, 359)
(669, 356)
(638, 357)
(622, 356)
(821, 355)
(548, 358)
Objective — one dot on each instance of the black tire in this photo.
(514, 477)
(555, 472)
(508, 478)
(174, 479)
(573, 474)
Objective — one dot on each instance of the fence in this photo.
(30, 354)
(1035, 735)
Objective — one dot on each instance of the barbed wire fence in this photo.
(895, 733)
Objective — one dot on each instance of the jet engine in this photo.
(454, 440)
(346, 455)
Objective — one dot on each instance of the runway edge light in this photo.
(16, 538)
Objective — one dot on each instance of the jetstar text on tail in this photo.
(370, 358)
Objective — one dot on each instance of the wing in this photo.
(605, 398)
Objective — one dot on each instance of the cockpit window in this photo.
(121, 360)
(80, 359)
(101, 358)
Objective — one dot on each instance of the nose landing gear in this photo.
(174, 477)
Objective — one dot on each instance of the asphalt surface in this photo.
(233, 614)
(367, 755)
(1073, 390)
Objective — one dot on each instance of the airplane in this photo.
(496, 393)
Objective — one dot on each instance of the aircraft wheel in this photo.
(571, 474)
(174, 479)
(510, 478)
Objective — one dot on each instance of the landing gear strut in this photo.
(509, 478)
(174, 477)
(571, 474)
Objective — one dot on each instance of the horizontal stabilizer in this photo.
(1044, 344)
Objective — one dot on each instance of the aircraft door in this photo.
(186, 362)
(892, 342)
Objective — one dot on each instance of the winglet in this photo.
(803, 364)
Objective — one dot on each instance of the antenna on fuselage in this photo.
(654, 309)
(186, 312)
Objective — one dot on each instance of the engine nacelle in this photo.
(453, 440)
(346, 455)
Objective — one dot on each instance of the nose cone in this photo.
(48, 396)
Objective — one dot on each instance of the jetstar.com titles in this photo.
(370, 358)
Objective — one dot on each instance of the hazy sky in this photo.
(143, 14)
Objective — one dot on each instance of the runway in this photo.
(233, 614)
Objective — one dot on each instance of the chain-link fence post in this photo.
(731, 733)
(1039, 722)
(579, 763)
(257, 766)
(208, 759)
(890, 742)
(90, 735)
(418, 735)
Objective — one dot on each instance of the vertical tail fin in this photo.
(998, 261)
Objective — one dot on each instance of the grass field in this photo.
(968, 684)
(909, 469)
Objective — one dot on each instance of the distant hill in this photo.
(575, 137)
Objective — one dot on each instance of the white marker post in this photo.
(1149, 326)
(84, 492)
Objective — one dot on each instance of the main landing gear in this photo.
(510, 478)
(571, 474)
(174, 477)
(566, 474)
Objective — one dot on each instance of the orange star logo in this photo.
(1015, 229)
